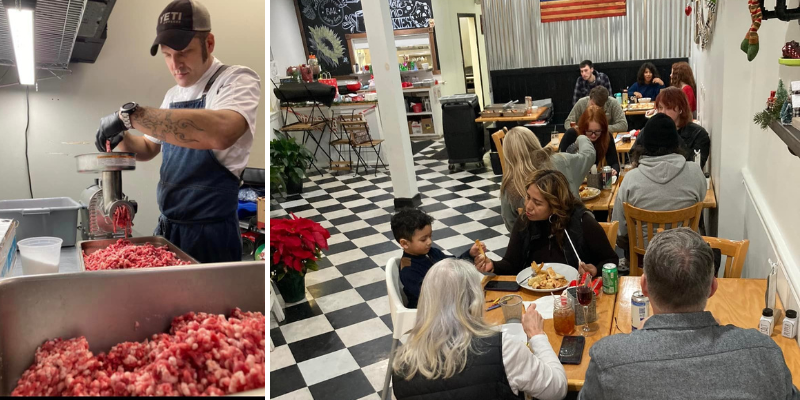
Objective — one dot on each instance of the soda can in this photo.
(610, 279)
(606, 177)
(640, 309)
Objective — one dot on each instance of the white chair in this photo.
(275, 308)
(403, 319)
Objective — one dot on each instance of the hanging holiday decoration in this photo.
(704, 17)
(688, 9)
(750, 43)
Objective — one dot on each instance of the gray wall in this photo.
(67, 111)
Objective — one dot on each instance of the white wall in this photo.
(732, 90)
(68, 111)
(448, 45)
(286, 41)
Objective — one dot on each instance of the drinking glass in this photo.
(563, 315)
(585, 298)
(512, 308)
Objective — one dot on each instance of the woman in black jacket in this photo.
(594, 125)
(539, 233)
(672, 101)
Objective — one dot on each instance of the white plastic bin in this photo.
(40, 255)
(57, 217)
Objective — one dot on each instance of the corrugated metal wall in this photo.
(516, 38)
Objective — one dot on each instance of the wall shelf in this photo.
(424, 113)
(789, 134)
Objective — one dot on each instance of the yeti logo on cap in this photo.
(170, 18)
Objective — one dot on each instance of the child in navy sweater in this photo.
(412, 229)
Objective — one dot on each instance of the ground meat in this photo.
(202, 355)
(125, 255)
(122, 220)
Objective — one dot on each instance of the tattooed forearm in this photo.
(161, 125)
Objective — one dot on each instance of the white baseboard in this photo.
(778, 250)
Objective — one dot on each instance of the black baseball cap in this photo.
(178, 24)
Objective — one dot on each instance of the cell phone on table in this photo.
(502, 286)
(571, 350)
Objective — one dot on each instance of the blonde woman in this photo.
(524, 155)
(452, 352)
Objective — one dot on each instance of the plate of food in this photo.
(588, 193)
(546, 277)
(640, 106)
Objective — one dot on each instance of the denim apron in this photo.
(198, 198)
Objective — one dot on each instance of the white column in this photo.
(390, 98)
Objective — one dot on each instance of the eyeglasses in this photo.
(594, 133)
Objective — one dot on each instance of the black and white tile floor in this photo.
(335, 343)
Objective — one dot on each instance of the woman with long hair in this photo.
(453, 353)
(594, 125)
(524, 155)
(540, 234)
(694, 137)
(648, 82)
(682, 78)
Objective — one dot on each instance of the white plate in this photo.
(570, 274)
(595, 192)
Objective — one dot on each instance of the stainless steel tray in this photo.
(105, 306)
(90, 246)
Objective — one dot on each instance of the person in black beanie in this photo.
(662, 181)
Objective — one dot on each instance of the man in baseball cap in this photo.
(204, 129)
(179, 23)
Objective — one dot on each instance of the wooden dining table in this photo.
(710, 201)
(737, 302)
(605, 311)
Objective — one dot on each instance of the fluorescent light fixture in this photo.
(21, 22)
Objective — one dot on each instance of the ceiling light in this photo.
(21, 22)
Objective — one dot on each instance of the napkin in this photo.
(544, 306)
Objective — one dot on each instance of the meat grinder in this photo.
(101, 200)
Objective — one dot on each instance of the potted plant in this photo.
(296, 244)
(290, 159)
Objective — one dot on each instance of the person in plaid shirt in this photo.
(588, 80)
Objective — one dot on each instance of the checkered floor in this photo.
(335, 343)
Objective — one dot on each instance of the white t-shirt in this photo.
(239, 90)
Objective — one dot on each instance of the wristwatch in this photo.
(125, 113)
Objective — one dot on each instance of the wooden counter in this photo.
(605, 310)
(534, 116)
(737, 302)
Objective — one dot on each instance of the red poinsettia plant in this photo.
(296, 245)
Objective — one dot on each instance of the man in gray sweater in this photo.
(599, 97)
(663, 180)
(682, 352)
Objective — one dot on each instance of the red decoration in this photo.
(688, 10)
(296, 240)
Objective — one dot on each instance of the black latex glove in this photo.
(111, 128)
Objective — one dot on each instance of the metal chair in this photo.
(403, 319)
(644, 224)
(359, 138)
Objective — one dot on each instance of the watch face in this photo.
(128, 106)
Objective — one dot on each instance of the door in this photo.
(470, 57)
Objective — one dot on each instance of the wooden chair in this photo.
(735, 252)
(643, 224)
(611, 231)
(498, 137)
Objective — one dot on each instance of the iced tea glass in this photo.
(563, 315)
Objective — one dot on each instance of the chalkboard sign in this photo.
(324, 24)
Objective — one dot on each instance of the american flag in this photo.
(567, 10)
